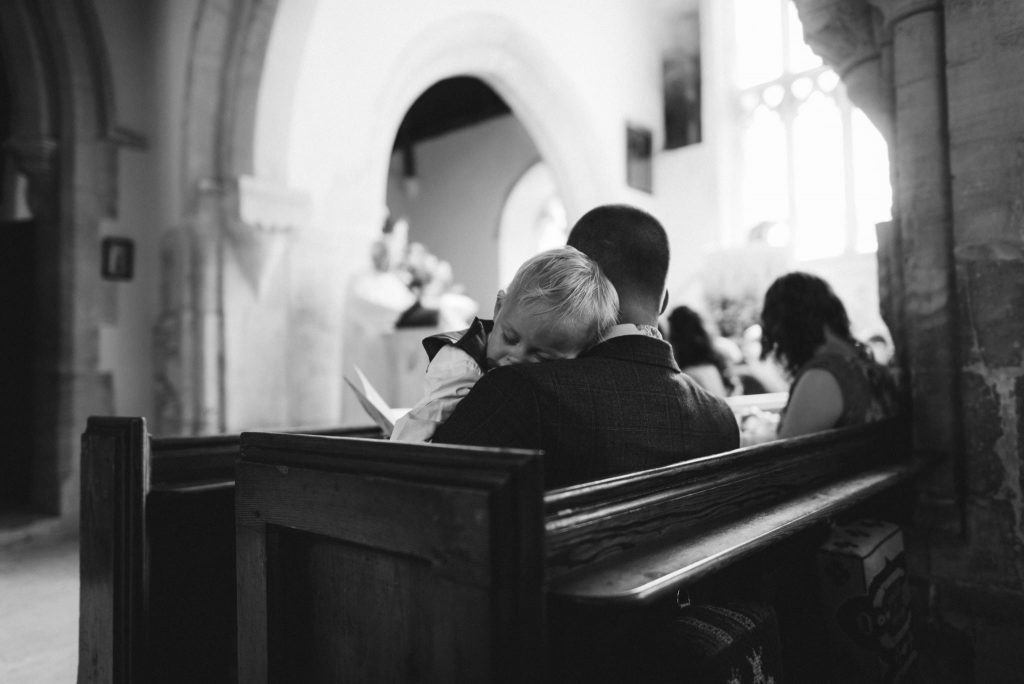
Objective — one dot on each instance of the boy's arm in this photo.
(499, 411)
(450, 376)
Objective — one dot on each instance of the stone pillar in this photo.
(984, 58)
(188, 335)
(891, 58)
(923, 221)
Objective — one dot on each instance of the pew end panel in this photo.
(381, 561)
(113, 563)
(157, 560)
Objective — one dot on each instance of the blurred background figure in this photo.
(836, 381)
(755, 374)
(440, 302)
(881, 348)
(697, 355)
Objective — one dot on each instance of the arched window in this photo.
(813, 171)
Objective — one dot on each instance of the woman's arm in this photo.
(815, 405)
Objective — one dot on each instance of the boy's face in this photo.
(521, 335)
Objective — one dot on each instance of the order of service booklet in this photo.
(374, 404)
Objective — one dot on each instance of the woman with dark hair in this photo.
(835, 379)
(695, 352)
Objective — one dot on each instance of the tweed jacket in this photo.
(622, 406)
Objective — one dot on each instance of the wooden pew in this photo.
(372, 561)
(157, 564)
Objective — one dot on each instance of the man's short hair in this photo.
(569, 286)
(629, 244)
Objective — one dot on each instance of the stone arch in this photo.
(63, 140)
(233, 206)
(510, 62)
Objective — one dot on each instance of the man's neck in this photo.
(638, 312)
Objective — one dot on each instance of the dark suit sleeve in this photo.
(500, 410)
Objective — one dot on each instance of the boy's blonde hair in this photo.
(567, 284)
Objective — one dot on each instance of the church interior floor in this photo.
(39, 611)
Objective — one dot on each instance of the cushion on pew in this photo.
(735, 643)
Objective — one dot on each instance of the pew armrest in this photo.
(653, 571)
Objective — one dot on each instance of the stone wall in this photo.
(984, 57)
(941, 79)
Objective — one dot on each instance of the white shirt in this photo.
(450, 376)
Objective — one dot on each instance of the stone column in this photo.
(923, 223)
(984, 58)
(891, 58)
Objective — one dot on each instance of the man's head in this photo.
(631, 247)
(558, 305)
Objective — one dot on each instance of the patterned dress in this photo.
(869, 390)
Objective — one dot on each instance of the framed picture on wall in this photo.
(681, 83)
(639, 161)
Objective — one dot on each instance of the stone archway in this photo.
(508, 61)
(63, 140)
(236, 203)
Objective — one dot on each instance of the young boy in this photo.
(558, 305)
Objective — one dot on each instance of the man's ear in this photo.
(664, 302)
(497, 302)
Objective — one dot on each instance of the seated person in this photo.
(557, 305)
(696, 353)
(622, 405)
(756, 374)
(835, 379)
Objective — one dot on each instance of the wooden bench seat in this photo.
(371, 561)
(157, 571)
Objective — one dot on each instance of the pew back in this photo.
(367, 561)
(157, 599)
(637, 537)
(377, 527)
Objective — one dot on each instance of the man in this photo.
(622, 406)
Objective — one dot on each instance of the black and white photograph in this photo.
(390, 341)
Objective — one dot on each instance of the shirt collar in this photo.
(633, 329)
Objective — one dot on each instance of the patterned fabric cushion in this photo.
(725, 644)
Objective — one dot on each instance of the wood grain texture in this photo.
(593, 522)
(649, 572)
(388, 562)
(157, 554)
(336, 545)
(189, 461)
(113, 559)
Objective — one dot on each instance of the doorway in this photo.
(458, 154)
(17, 297)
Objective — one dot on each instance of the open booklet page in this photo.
(374, 404)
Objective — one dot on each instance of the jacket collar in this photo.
(635, 348)
(473, 341)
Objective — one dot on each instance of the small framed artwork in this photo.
(117, 258)
(681, 82)
(639, 162)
